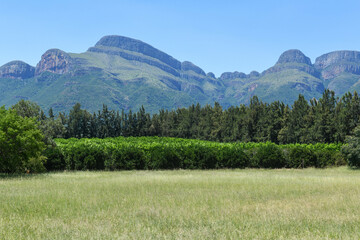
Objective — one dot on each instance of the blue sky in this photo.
(217, 36)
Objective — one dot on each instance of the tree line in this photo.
(326, 120)
(27, 134)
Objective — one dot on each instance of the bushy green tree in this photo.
(21, 143)
(351, 149)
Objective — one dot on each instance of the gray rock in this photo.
(293, 55)
(17, 70)
(333, 64)
(210, 75)
(140, 47)
(254, 74)
(336, 57)
(55, 61)
(232, 75)
(189, 66)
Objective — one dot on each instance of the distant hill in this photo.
(125, 73)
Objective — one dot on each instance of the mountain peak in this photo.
(335, 57)
(294, 55)
(55, 61)
(189, 66)
(138, 46)
(119, 42)
(335, 63)
(17, 69)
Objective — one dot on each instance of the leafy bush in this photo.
(232, 157)
(36, 165)
(269, 155)
(55, 159)
(324, 158)
(300, 157)
(173, 153)
(351, 149)
(20, 142)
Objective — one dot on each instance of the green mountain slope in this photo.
(125, 73)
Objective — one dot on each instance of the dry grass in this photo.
(220, 204)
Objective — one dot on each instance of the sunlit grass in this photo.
(218, 204)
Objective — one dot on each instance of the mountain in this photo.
(125, 73)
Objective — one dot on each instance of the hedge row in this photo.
(172, 153)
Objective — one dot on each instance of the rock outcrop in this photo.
(336, 57)
(17, 70)
(293, 59)
(138, 46)
(189, 66)
(254, 74)
(210, 75)
(55, 61)
(232, 75)
(333, 64)
(293, 56)
(135, 57)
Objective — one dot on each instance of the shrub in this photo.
(20, 142)
(300, 157)
(36, 165)
(172, 153)
(351, 149)
(232, 157)
(269, 155)
(325, 158)
(55, 159)
(163, 157)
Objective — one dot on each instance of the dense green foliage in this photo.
(21, 143)
(351, 149)
(174, 153)
(326, 120)
(254, 132)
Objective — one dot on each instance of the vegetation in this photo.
(299, 130)
(129, 75)
(21, 143)
(174, 153)
(184, 204)
(352, 149)
(326, 120)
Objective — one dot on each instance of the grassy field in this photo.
(218, 204)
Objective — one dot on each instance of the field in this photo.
(183, 204)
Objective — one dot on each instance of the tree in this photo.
(324, 124)
(50, 127)
(294, 129)
(21, 143)
(351, 149)
(28, 109)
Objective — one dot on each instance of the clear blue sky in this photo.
(217, 36)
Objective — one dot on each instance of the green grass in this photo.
(219, 204)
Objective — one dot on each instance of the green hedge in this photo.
(173, 153)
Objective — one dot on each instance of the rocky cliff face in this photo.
(127, 73)
(17, 70)
(55, 61)
(293, 56)
(254, 74)
(189, 66)
(140, 47)
(334, 63)
(293, 59)
(336, 57)
(210, 75)
(232, 75)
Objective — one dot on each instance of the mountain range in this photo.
(125, 73)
